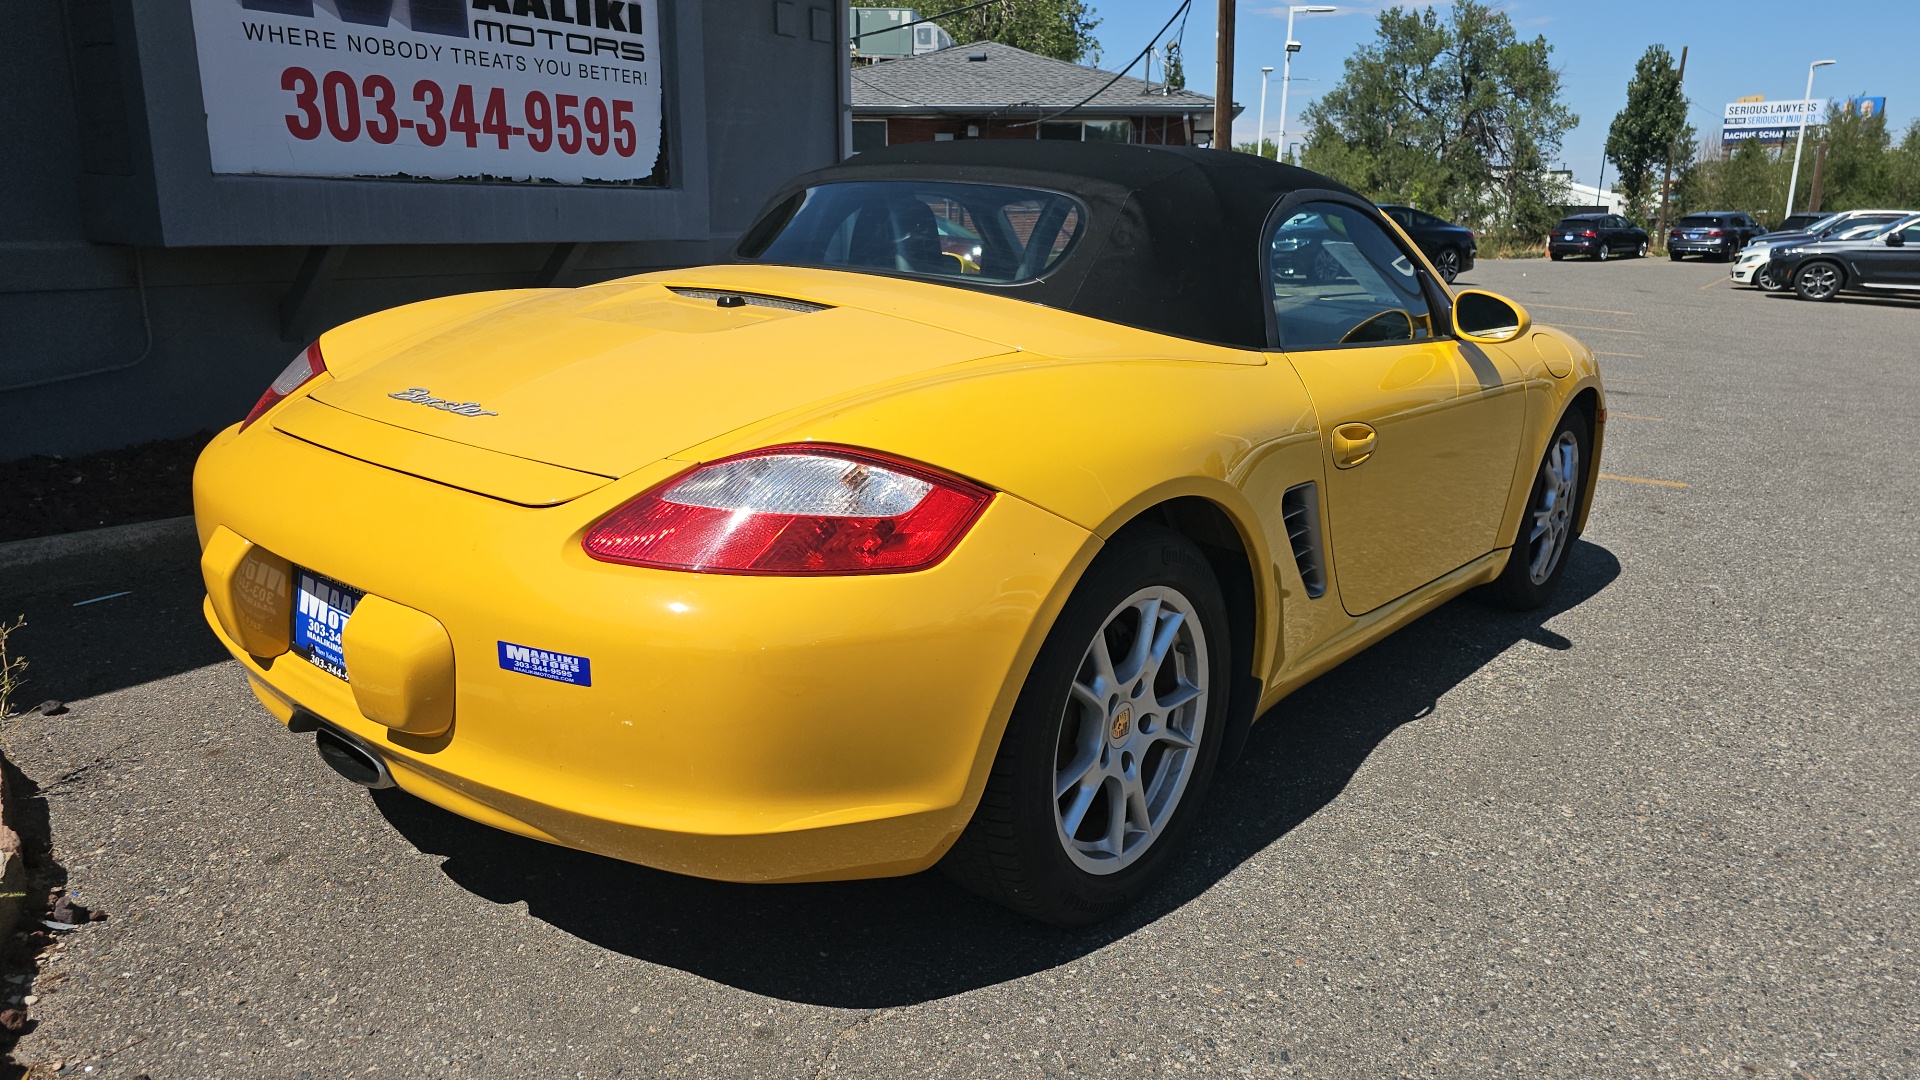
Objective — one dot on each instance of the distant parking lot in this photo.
(1666, 826)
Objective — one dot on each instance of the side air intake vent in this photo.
(1300, 509)
(727, 298)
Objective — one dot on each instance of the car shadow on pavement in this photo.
(899, 941)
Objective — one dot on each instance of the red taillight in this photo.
(1673, 234)
(305, 367)
(1589, 232)
(1716, 232)
(801, 509)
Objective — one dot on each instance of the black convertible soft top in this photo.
(1173, 237)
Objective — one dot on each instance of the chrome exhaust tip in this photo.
(347, 757)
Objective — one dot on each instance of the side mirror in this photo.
(1895, 239)
(1488, 319)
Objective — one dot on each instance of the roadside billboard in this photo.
(1777, 122)
(1772, 122)
(555, 90)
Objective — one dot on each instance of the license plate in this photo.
(321, 607)
(1569, 236)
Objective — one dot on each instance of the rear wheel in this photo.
(1112, 742)
(1448, 263)
(1817, 281)
(1539, 556)
(1556, 256)
(1605, 252)
(1642, 253)
(1674, 255)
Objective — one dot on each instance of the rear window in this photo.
(1574, 224)
(1702, 221)
(980, 232)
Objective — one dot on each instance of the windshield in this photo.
(984, 232)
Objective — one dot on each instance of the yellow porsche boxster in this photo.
(848, 558)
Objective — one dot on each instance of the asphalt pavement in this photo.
(1666, 827)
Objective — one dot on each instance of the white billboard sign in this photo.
(562, 90)
(1768, 121)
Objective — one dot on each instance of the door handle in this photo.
(1353, 444)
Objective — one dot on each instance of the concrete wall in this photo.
(104, 345)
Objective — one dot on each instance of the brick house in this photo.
(992, 91)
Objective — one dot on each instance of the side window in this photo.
(1426, 221)
(1337, 279)
(1911, 236)
(1401, 216)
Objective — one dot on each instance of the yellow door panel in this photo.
(1420, 440)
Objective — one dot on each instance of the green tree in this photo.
(1652, 132)
(1062, 29)
(1903, 170)
(1458, 116)
(1858, 173)
(1753, 179)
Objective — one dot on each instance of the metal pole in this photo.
(1260, 138)
(1223, 78)
(1673, 151)
(1286, 73)
(1600, 186)
(1806, 106)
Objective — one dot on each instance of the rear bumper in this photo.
(741, 728)
(1701, 247)
(1564, 247)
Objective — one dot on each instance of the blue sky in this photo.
(1737, 48)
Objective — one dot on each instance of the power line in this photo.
(1117, 76)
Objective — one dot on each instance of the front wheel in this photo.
(1642, 253)
(1763, 279)
(1817, 281)
(1539, 556)
(1112, 741)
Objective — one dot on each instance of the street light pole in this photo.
(1286, 73)
(1260, 137)
(1806, 106)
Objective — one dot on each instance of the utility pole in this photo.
(1223, 78)
(1666, 179)
(1819, 168)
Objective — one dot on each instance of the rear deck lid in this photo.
(607, 379)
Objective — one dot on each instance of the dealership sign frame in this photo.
(163, 176)
(1774, 123)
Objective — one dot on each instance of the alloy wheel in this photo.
(1818, 281)
(1605, 252)
(1764, 279)
(1130, 734)
(1643, 250)
(1555, 496)
(1448, 264)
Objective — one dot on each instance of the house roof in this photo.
(1009, 82)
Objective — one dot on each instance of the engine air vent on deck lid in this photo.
(730, 298)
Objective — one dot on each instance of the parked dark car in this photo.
(1451, 248)
(1717, 233)
(1798, 222)
(1754, 259)
(1886, 262)
(1600, 236)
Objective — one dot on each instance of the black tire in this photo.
(1522, 586)
(1642, 253)
(1763, 279)
(1015, 851)
(1447, 261)
(1675, 256)
(1604, 253)
(1819, 280)
(1556, 256)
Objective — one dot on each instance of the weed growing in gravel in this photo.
(11, 668)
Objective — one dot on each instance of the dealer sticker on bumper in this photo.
(321, 608)
(542, 664)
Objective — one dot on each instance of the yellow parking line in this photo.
(1595, 310)
(1642, 479)
(1607, 329)
(1628, 355)
(1711, 284)
(1629, 416)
